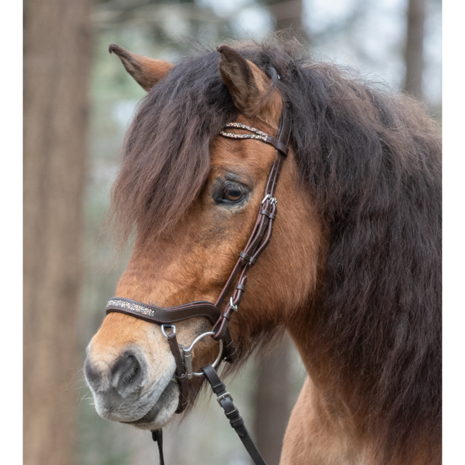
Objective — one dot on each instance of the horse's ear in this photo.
(146, 71)
(248, 84)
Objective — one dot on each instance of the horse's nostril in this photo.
(124, 376)
(125, 371)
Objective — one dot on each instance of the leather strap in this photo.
(281, 143)
(259, 135)
(163, 315)
(257, 243)
(170, 315)
(232, 414)
(157, 436)
(180, 373)
(278, 145)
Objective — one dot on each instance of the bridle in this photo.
(168, 316)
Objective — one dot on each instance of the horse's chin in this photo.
(150, 411)
(161, 412)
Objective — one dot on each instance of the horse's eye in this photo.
(232, 193)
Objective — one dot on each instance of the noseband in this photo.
(168, 316)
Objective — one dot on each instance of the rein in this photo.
(167, 316)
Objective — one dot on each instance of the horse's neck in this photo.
(320, 430)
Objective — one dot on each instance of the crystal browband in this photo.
(124, 305)
(263, 136)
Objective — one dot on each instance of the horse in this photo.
(352, 271)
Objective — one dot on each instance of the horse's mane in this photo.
(372, 161)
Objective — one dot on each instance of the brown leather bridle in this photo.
(167, 316)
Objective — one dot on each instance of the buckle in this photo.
(231, 304)
(168, 326)
(273, 200)
(223, 396)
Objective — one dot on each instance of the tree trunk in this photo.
(414, 48)
(56, 68)
(272, 409)
(288, 14)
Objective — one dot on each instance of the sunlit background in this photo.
(368, 35)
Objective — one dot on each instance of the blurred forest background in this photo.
(78, 104)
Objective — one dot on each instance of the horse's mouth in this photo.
(162, 403)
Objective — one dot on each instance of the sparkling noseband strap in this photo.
(164, 315)
(140, 309)
(170, 315)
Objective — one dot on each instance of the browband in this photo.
(259, 135)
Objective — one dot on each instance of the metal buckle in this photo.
(222, 396)
(231, 304)
(273, 200)
(168, 326)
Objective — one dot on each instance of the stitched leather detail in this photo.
(247, 257)
(268, 214)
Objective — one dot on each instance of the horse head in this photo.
(130, 367)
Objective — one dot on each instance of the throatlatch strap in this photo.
(157, 436)
(226, 401)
